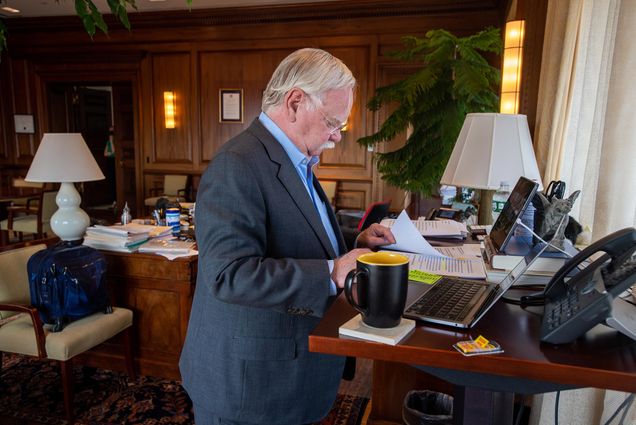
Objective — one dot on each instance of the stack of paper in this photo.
(529, 277)
(517, 248)
(462, 261)
(115, 238)
(445, 229)
(447, 266)
(123, 238)
(169, 248)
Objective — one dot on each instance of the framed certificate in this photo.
(231, 105)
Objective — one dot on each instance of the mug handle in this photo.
(353, 275)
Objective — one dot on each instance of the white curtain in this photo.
(586, 136)
(586, 133)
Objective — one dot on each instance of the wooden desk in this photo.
(159, 292)
(603, 358)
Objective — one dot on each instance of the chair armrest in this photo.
(35, 200)
(40, 338)
(16, 209)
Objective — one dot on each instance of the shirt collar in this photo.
(295, 155)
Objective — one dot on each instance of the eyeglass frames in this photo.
(333, 124)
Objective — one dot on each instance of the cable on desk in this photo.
(556, 408)
(626, 404)
(521, 301)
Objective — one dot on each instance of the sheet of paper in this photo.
(465, 252)
(408, 239)
(440, 228)
(446, 266)
(434, 228)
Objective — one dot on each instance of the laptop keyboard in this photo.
(448, 299)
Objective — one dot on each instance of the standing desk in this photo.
(602, 358)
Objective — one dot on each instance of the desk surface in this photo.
(603, 358)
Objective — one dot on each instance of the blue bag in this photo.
(68, 282)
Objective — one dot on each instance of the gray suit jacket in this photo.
(262, 286)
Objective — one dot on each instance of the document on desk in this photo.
(461, 261)
(445, 229)
(463, 252)
(447, 266)
(408, 238)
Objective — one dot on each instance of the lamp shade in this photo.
(492, 148)
(63, 157)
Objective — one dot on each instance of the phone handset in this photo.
(591, 296)
(618, 248)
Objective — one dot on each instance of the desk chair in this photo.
(373, 214)
(34, 217)
(22, 332)
(174, 189)
(24, 190)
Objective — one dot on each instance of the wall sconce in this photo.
(511, 76)
(170, 109)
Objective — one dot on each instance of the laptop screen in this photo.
(517, 202)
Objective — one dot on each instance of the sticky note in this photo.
(424, 277)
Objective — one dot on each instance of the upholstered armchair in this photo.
(33, 217)
(22, 331)
(174, 188)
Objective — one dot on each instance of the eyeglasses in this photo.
(332, 124)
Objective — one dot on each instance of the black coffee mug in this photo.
(382, 284)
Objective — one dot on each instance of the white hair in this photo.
(314, 71)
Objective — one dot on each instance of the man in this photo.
(271, 256)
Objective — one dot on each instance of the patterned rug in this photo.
(31, 393)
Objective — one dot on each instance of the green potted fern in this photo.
(454, 79)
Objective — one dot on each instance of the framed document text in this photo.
(231, 105)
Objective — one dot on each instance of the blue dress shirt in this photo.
(304, 168)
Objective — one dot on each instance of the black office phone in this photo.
(590, 296)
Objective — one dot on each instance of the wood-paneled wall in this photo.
(195, 54)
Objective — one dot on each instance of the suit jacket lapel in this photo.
(332, 216)
(289, 178)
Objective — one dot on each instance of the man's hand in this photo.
(343, 265)
(375, 236)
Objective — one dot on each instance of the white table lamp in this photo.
(64, 158)
(491, 148)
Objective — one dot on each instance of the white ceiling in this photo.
(34, 8)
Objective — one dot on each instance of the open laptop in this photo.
(461, 302)
(503, 229)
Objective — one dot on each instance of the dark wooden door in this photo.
(124, 141)
(92, 116)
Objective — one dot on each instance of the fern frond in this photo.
(454, 79)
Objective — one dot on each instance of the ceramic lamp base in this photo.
(69, 222)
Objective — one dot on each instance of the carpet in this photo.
(31, 393)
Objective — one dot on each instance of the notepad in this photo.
(392, 336)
